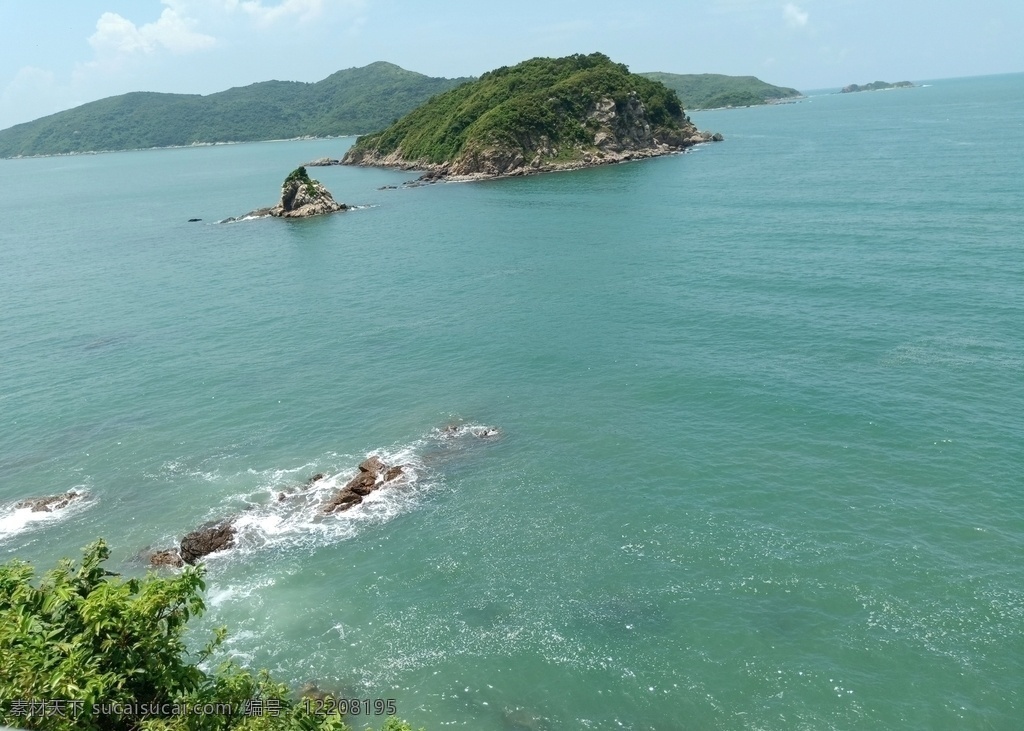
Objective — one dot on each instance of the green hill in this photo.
(347, 102)
(541, 114)
(712, 91)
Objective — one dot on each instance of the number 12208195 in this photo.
(350, 706)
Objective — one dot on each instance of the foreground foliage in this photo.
(87, 650)
(347, 102)
(712, 91)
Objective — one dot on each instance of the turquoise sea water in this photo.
(762, 413)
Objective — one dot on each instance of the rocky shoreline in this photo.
(432, 172)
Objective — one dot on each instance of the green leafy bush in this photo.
(85, 649)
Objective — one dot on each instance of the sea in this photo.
(759, 460)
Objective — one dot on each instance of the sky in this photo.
(57, 54)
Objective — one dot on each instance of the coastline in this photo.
(437, 172)
(178, 147)
(770, 103)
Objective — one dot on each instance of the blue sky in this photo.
(57, 54)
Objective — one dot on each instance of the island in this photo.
(347, 102)
(718, 91)
(876, 86)
(541, 115)
(301, 197)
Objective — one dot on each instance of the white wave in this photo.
(246, 217)
(15, 520)
(286, 511)
(236, 592)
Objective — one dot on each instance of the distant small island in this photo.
(301, 197)
(541, 115)
(718, 91)
(876, 86)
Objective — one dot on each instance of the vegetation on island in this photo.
(347, 102)
(85, 649)
(544, 104)
(352, 101)
(876, 86)
(713, 91)
(299, 174)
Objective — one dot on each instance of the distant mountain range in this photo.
(348, 102)
(352, 101)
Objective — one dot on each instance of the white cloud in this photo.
(172, 31)
(266, 15)
(794, 16)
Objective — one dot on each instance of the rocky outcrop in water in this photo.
(210, 538)
(373, 474)
(301, 197)
(206, 540)
(168, 557)
(322, 162)
(50, 503)
(313, 498)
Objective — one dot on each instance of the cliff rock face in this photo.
(301, 196)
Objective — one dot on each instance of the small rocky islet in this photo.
(876, 86)
(301, 197)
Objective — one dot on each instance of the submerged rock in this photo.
(50, 503)
(206, 540)
(343, 500)
(168, 557)
(522, 719)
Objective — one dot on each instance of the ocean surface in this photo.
(761, 411)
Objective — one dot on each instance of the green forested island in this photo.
(542, 114)
(352, 101)
(876, 86)
(347, 102)
(713, 91)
